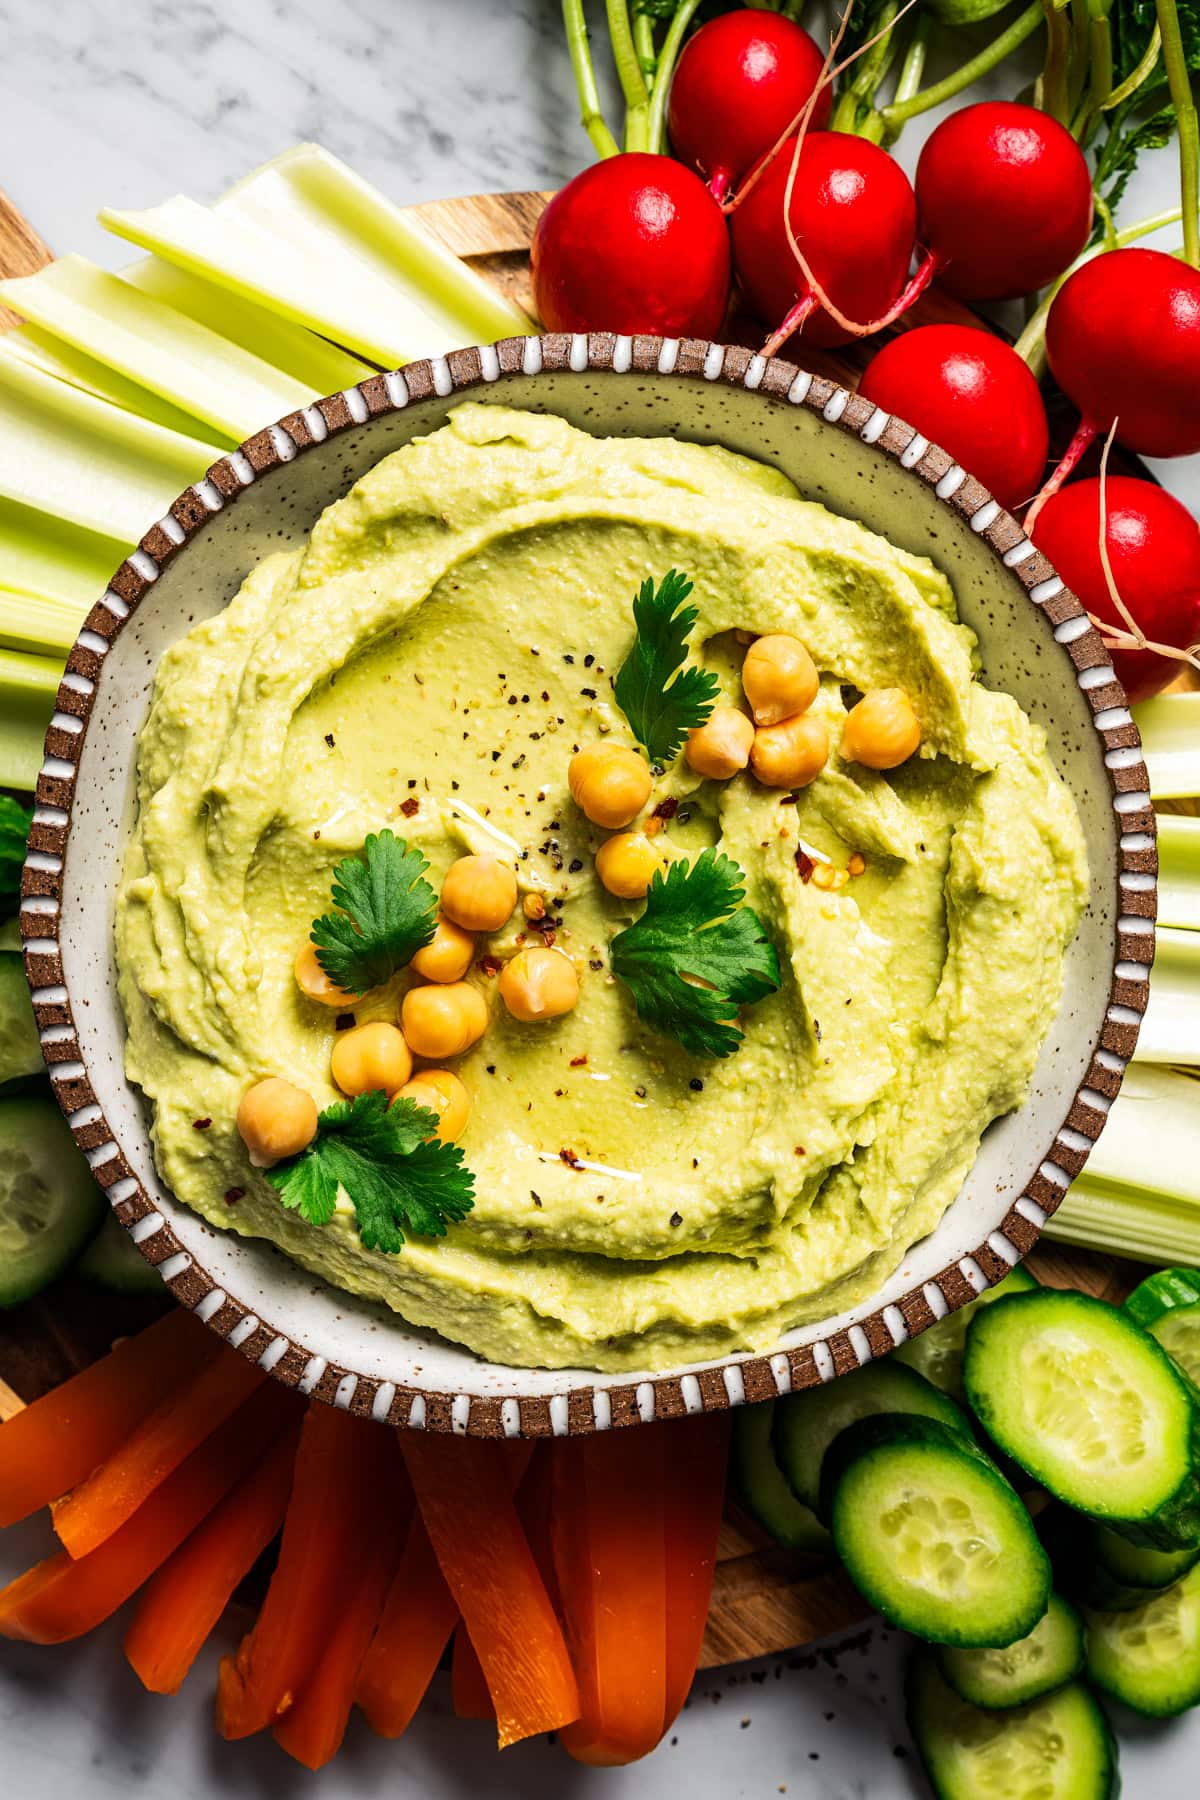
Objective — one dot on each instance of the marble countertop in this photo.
(122, 105)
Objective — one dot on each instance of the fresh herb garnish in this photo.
(389, 912)
(696, 927)
(15, 821)
(400, 1180)
(662, 711)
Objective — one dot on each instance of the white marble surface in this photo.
(123, 104)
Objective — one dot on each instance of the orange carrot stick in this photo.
(468, 1684)
(312, 1730)
(64, 1596)
(417, 1619)
(59, 1439)
(696, 1454)
(182, 1603)
(113, 1492)
(464, 1490)
(607, 1526)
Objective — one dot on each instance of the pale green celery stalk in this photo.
(1179, 874)
(38, 626)
(53, 558)
(321, 366)
(1170, 728)
(28, 685)
(1170, 1031)
(65, 453)
(189, 366)
(52, 356)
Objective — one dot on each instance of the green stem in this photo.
(668, 56)
(629, 74)
(1100, 77)
(1081, 25)
(1022, 27)
(1135, 78)
(1031, 345)
(643, 37)
(1052, 87)
(1180, 85)
(913, 66)
(590, 115)
(857, 97)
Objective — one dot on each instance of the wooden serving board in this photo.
(764, 1598)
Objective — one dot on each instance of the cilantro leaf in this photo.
(400, 1180)
(388, 913)
(662, 711)
(15, 821)
(695, 926)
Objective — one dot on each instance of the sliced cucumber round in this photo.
(1092, 1408)
(1167, 1305)
(932, 1534)
(20, 1051)
(113, 1261)
(806, 1423)
(1136, 1564)
(937, 1353)
(1059, 1747)
(1035, 1665)
(762, 1488)
(49, 1202)
(1150, 1657)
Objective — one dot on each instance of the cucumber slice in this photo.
(113, 1261)
(49, 1203)
(1150, 1657)
(10, 936)
(1078, 1549)
(1093, 1409)
(807, 1423)
(1136, 1564)
(1035, 1665)
(763, 1489)
(20, 1051)
(1059, 1747)
(1167, 1305)
(938, 1352)
(932, 1534)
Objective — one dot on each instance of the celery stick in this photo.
(38, 626)
(28, 685)
(43, 555)
(321, 366)
(75, 457)
(1170, 728)
(54, 357)
(150, 343)
(1171, 1028)
(1145, 1228)
(1179, 873)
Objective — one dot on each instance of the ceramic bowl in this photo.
(1036, 643)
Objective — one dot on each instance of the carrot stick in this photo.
(312, 1730)
(464, 1491)
(182, 1603)
(417, 1619)
(468, 1683)
(66, 1596)
(57, 1440)
(113, 1492)
(696, 1454)
(276, 1658)
(607, 1525)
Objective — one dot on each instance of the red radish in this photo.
(635, 243)
(740, 84)
(973, 395)
(1154, 550)
(1004, 197)
(854, 218)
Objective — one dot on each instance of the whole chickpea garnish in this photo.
(276, 1119)
(447, 955)
(882, 731)
(315, 984)
(371, 1056)
(609, 783)
(779, 678)
(540, 984)
(626, 864)
(443, 1019)
(479, 893)
(444, 1094)
(721, 746)
(790, 754)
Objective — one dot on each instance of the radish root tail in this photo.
(1080, 444)
(1132, 637)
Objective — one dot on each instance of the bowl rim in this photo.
(736, 1377)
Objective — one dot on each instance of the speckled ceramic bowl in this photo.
(1036, 643)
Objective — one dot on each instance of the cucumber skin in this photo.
(111, 1261)
(802, 1529)
(1162, 1292)
(950, 1664)
(1110, 1677)
(918, 1353)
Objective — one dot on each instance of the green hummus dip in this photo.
(446, 638)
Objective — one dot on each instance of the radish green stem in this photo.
(1081, 25)
(1138, 75)
(643, 37)
(668, 56)
(629, 74)
(1100, 76)
(913, 66)
(590, 115)
(870, 72)
(1179, 83)
(1031, 345)
(1022, 27)
(1051, 91)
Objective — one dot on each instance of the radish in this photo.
(973, 395)
(634, 243)
(1154, 552)
(1004, 199)
(854, 220)
(740, 84)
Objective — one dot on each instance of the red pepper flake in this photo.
(579, 1062)
(666, 809)
(799, 1150)
(790, 800)
(233, 1195)
(489, 965)
(201, 1124)
(805, 865)
(410, 806)
(569, 1157)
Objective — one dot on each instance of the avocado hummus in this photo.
(427, 663)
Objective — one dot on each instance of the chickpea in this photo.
(444, 1019)
(443, 1093)
(779, 678)
(539, 984)
(626, 864)
(479, 893)
(371, 1056)
(447, 955)
(275, 1120)
(882, 731)
(790, 754)
(721, 746)
(315, 984)
(609, 783)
